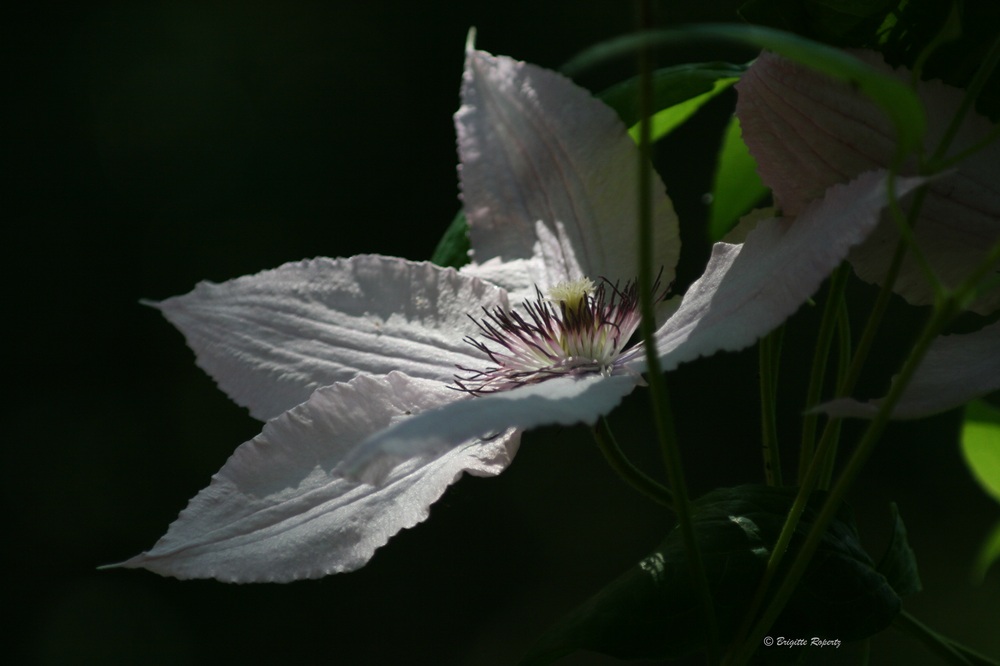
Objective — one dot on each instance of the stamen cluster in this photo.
(577, 329)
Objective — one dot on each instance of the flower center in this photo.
(578, 329)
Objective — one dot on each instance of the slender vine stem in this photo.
(990, 137)
(944, 647)
(884, 295)
(769, 353)
(662, 413)
(972, 91)
(836, 495)
(821, 356)
(943, 313)
(625, 469)
(947, 304)
(825, 450)
(829, 458)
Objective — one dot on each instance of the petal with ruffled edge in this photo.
(281, 509)
(808, 132)
(747, 290)
(956, 369)
(271, 339)
(549, 173)
(566, 400)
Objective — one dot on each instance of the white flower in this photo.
(376, 400)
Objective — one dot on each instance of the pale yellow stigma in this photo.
(572, 294)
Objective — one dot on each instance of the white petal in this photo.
(271, 339)
(280, 509)
(516, 277)
(956, 369)
(747, 290)
(808, 132)
(548, 171)
(560, 401)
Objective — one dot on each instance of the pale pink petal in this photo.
(747, 290)
(956, 369)
(566, 400)
(271, 339)
(548, 171)
(954, 236)
(280, 509)
(808, 132)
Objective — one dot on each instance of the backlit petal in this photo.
(747, 290)
(808, 132)
(280, 509)
(548, 171)
(956, 369)
(271, 339)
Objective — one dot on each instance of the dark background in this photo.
(152, 145)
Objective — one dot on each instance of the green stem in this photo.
(770, 362)
(836, 495)
(943, 313)
(968, 101)
(625, 469)
(825, 452)
(948, 163)
(906, 226)
(821, 356)
(829, 458)
(827, 443)
(949, 651)
(884, 295)
(662, 413)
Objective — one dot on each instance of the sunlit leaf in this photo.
(981, 445)
(453, 248)
(671, 86)
(736, 187)
(666, 121)
(981, 450)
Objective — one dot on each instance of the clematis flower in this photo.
(809, 133)
(384, 380)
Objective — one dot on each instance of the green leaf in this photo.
(988, 553)
(652, 611)
(666, 121)
(898, 101)
(736, 187)
(981, 450)
(899, 563)
(453, 248)
(981, 445)
(671, 86)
